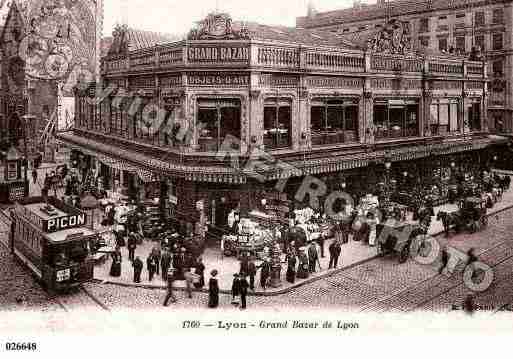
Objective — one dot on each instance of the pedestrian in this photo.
(291, 267)
(252, 269)
(302, 271)
(265, 273)
(138, 267)
(200, 272)
(179, 263)
(132, 245)
(320, 241)
(170, 281)
(34, 175)
(243, 291)
(244, 263)
(213, 290)
(335, 250)
(151, 265)
(115, 268)
(165, 263)
(157, 253)
(188, 281)
(313, 258)
(235, 289)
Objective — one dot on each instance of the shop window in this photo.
(277, 124)
(479, 18)
(498, 16)
(497, 42)
(474, 116)
(497, 67)
(146, 121)
(395, 118)
(218, 121)
(334, 121)
(460, 43)
(424, 25)
(444, 117)
(459, 16)
(442, 44)
(424, 41)
(480, 42)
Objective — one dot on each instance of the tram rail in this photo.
(80, 299)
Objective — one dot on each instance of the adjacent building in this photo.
(442, 26)
(240, 112)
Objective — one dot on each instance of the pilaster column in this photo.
(366, 127)
(484, 109)
(464, 111)
(424, 120)
(256, 120)
(304, 140)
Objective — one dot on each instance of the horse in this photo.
(449, 220)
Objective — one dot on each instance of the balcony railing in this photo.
(396, 133)
(335, 137)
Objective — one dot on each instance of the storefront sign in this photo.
(216, 80)
(218, 54)
(63, 275)
(66, 222)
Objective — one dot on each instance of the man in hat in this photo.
(165, 262)
(243, 288)
(132, 245)
(151, 264)
(138, 267)
(335, 250)
(313, 258)
(265, 272)
(170, 294)
(235, 289)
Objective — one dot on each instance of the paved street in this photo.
(378, 285)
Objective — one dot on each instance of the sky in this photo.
(179, 16)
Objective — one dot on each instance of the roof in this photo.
(376, 11)
(125, 38)
(290, 34)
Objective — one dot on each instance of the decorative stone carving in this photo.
(367, 95)
(218, 27)
(394, 38)
(255, 94)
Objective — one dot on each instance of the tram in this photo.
(52, 240)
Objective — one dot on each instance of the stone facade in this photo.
(438, 25)
(234, 109)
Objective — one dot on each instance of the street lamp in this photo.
(388, 165)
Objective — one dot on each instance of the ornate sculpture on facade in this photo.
(394, 38)
(218, 27)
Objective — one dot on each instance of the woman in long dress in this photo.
(291, 267)
(213, 290)
(115, 268)
(200, 272)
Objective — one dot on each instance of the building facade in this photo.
(238, 113)
(46, 45)
(443, 26)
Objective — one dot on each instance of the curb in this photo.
(269, 293)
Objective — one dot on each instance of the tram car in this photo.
(52, 240)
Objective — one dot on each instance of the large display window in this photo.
(443, 116)
(396, 118)
(277, 123)
(218, 121)
(333, 121)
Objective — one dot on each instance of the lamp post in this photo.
(274, 253)
(388, 165)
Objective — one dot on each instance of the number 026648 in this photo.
(11, 346)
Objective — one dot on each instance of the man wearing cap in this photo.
(188, 281)
(138, 267)
(170, 294)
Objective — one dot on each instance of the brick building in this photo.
(443, 26)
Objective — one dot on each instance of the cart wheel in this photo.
(403, 255)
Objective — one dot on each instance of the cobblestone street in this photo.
(378, 285)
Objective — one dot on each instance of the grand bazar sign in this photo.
(218, 54)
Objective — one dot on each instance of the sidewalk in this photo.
(353, 253)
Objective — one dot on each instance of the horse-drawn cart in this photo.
(473, 212)
(396, 237)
